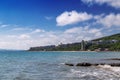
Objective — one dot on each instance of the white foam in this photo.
(62, 63)
(108, 67)
(75, 71)
(115, 69)
(104, 72)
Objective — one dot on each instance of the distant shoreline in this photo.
(104, 44)
(73, 51)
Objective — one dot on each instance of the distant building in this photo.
(114, 41)
(102, 49)
(83, 45)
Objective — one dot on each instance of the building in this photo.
(83, 45)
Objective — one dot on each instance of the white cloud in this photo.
(11, 36)
(18, 29)
(48, 17)
(21, 29)
(4, 25)
(113, 3)
(24, 36)
(110, 20)
(85, 32)
(74, 30)
(24, 41)
(37, 31)
(72, 17)
(99, 16)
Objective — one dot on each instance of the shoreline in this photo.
(73, 51)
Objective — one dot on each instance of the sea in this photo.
(26, 65)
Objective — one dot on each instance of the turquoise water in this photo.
(23, 65)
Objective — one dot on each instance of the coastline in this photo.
(73, 51)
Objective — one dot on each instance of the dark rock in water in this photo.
(113, 59)
(84, 64)
(115, 64)
(95, 64)
(69, 64)
(102, 64)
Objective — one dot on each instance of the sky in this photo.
(29, 23)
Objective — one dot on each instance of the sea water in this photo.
(24, 65)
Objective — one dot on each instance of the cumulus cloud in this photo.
(85, 32)
(113, 3)
(27, 37)
(24, 41)
(72, 17)
(110, 20)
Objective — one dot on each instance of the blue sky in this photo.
(26, 23)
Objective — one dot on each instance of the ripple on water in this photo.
(95, 73)
(46, 66)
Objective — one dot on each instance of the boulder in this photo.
(115, 64)
(69, 64)
(84, 64)
(113, 59)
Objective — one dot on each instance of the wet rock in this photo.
(84, 64)
(113, 59)
(69, 64)
(102, 64)
(115, 64)
(95, 64)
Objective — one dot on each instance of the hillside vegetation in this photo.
(109, 43)
(112, 37)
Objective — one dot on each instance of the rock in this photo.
(113, 59)
(84, 64)
(69, 64)
(95, 64)
(115, 64)
(102, 64)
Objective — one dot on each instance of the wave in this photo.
(100, 72)
(109, 67)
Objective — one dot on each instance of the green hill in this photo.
(111, 37)
(111, 43)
